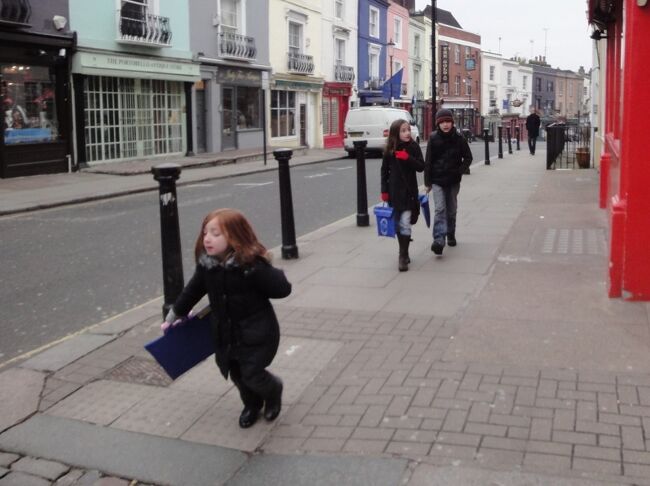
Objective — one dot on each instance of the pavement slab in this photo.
(66, 352)
(40, 467)
(276, 470)
(20, 391)
(126, 454)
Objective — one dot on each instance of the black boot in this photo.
(248, 417)
(451, 239)
(403, 261)
(273, 403)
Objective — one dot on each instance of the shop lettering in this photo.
(142, 63)
(232, 75)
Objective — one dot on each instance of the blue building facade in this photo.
(372, 45)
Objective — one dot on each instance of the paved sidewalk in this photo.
(107, 180)
(500, 362)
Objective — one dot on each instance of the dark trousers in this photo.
(254, 388)
(532, 141)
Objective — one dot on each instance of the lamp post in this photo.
(390, 80)
(469, 99)
(434, 90)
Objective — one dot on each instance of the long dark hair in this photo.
(393, 136)
(239, 234)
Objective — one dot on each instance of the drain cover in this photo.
(140, 370)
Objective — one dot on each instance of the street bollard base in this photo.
(363, 220)
(289, 252)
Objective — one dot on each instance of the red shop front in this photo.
(336, 102)
(621, 30)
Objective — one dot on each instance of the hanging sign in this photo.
(444, 63)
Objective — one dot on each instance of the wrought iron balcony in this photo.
(343, 73)
(143, 29)
(15, 13)
(237, 46)
(300, 63)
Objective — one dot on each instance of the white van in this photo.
(371, 123)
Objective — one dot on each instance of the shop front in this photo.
(129, 107)
(295, 108)
(336, 102)
(34, 93)
(240, 117)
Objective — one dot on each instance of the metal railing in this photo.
(15, 12)
(145, 29)
(343, 73)
(300, 63)
(237, 46)
(374, 83)
(567, 146)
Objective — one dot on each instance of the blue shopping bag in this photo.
(385, 221)
(426, 212)
(184, 346)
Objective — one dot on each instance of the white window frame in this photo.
(456, 54)
(524, 82)
(417, 70)
(339, 41)
(492, 71)
(509, 78)
(373, 50)
(457, 86)
(468, 52)
(397, 65)
(339, 9)
(397, 34)
(416, 45)
(301, 32)
(493, 98)
(372, 10)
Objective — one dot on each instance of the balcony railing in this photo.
(300, 63)
(343, 73)
(237, 46)
(15, 13)
(143, 29)
(404, 90)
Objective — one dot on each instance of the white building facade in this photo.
(506, 87)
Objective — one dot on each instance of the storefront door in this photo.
(303, 125)
(228, 122)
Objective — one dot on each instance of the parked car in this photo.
(371, 123)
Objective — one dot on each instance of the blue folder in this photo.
(184, 346)
(426, 212)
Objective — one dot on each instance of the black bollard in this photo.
(500, 142)
(487, 145)
(518, 135)
(289, 248)
(362, 192)
(170, 234)
(509, 139)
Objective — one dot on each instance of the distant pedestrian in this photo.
(399, 185)
(448, 158)
(233, 268)
(532, 126)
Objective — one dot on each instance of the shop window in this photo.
(283, 113)
(128, 118)
(248, 108)
(28, 102)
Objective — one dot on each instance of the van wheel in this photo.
(351, 154)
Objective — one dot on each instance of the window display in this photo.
(28, 103)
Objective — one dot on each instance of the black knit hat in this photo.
(444, 115)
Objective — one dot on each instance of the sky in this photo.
(517, 22)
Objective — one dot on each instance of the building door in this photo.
(201, 131)
(303, 124)
(228, 124)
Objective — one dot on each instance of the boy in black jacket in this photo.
(448, 158)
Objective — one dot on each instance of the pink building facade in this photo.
(397, 32)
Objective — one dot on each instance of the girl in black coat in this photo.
(399, 185)
(234, 270)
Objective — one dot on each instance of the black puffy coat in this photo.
(398, 177)
(244, 325)
(448, 157)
